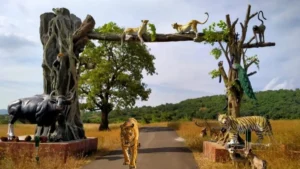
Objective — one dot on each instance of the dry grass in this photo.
(107, 141)
(285, 132)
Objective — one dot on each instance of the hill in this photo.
(3, 111)
(279, 104)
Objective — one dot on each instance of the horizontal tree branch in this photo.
(252, 73)
(163, 38)
(257, 45)
(159, 37)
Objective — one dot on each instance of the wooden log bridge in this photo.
(165, 38)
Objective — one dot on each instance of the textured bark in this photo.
(57, 32)
(104, 121)
(165, 38)
(106, 108)
(254, 45)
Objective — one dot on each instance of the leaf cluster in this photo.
(211, 34)
(152, 31)
(116, 80)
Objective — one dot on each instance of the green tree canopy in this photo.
(115, 78)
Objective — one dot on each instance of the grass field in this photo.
(285, 132)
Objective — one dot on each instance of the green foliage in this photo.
(152, 31)
(116, 80)
(216, 32)
(216, 52)
(215, 73)
(253, 58)
(4, 119)
(280, 104)
(211, 34)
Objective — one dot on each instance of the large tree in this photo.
(111, 75)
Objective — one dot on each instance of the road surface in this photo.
(161, 148)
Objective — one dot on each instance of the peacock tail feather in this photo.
(244, 81)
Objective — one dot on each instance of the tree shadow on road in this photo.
(155, 129)
(109, 157)
(156, 150)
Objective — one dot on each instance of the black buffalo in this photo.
(40, 109)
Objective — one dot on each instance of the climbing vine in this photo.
(152, 31)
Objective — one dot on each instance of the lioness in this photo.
(129, 140)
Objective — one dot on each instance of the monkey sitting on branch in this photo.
(260, 30)
(139, 31)
(192, 25)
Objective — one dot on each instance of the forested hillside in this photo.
(279, 104)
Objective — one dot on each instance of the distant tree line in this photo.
(279, 104)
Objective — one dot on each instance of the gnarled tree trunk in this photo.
(62, 32)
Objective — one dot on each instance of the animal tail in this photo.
(262, 13)
(205, 20)
(269, 124)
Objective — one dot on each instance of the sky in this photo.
(182, 67)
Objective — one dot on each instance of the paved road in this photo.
(161, 148)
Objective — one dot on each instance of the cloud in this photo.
(182, 67)
(276, 84)
(164, 94)
(13, 41)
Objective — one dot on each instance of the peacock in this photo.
(244, 81)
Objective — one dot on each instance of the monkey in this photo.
(192, 25)
(260, 30)
(133, 31)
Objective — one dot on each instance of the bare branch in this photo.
(225, 53)
(253, 15)
(252, 73)
(228, 21)
(251, 40)
(227, 47)
(244, 30)
(257, 45)
(234, 23)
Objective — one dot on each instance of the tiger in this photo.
(260, 125)
(129, 140)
